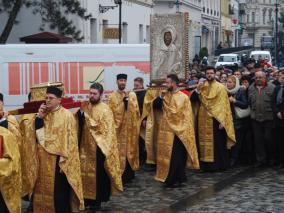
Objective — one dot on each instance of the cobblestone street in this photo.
(239, 190)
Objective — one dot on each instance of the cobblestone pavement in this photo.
(262, 191)
(239, 190)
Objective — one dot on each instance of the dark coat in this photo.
(261, 102)
(277, 108)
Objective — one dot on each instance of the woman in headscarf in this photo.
(239, 106)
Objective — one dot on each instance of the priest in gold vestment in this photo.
(176, 147)
(215, 123)
(10, 122)
(99, 156)
(28, 146)
(10, 169)
(58, 185)
(124, 106)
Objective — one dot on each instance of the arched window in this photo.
(264, 14)
(270, 15)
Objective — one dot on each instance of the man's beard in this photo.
(94, 101)
(170, 89)
(121, 87)
(210, 79)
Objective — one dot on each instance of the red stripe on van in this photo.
(44, 72)
(14, 79)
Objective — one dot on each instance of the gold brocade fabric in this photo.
(10, 172)
(214, 104)
(153, 119)
(127, 125)
(177, 120)
(44, 202)
(14, 127)
(29, 160)
(99, 131)
(59, 137)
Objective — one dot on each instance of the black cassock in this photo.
(179, 156)
(3, 207)
(221, 155)
(128, 173)
(142, 149)
(103, 183)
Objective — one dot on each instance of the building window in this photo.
(124, 32)
(251, 35)
(253, 17)
(211, 12)
(264, 14)
(94, 31)
(148, 34)
(218, 13)
(203, 9)
(105, 25)
(140, 33)
(270, 15)
(247, 18)
(208, 10)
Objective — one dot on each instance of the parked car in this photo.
(228, 59)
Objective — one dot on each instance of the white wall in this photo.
(133, 14)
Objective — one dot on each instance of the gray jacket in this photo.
(261, 102)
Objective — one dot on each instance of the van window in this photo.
(227, 59)
(261, 56)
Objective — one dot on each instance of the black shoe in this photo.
(171, 186)
(233, 163)
(259, 165)
(148, 167)
(94, 208)
(30, 208)
(272, 163)
(280, 166)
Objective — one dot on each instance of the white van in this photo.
(76, 65)
(228, 59)
(260, 55)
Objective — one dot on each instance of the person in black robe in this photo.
(140, 93)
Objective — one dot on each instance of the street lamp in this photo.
(119, 3)
(276, 30)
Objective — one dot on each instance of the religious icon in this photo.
(170, 57)
(169, 46)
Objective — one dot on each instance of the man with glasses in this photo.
(58, 180)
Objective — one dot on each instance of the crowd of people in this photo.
(256, 100)
(216, 120)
